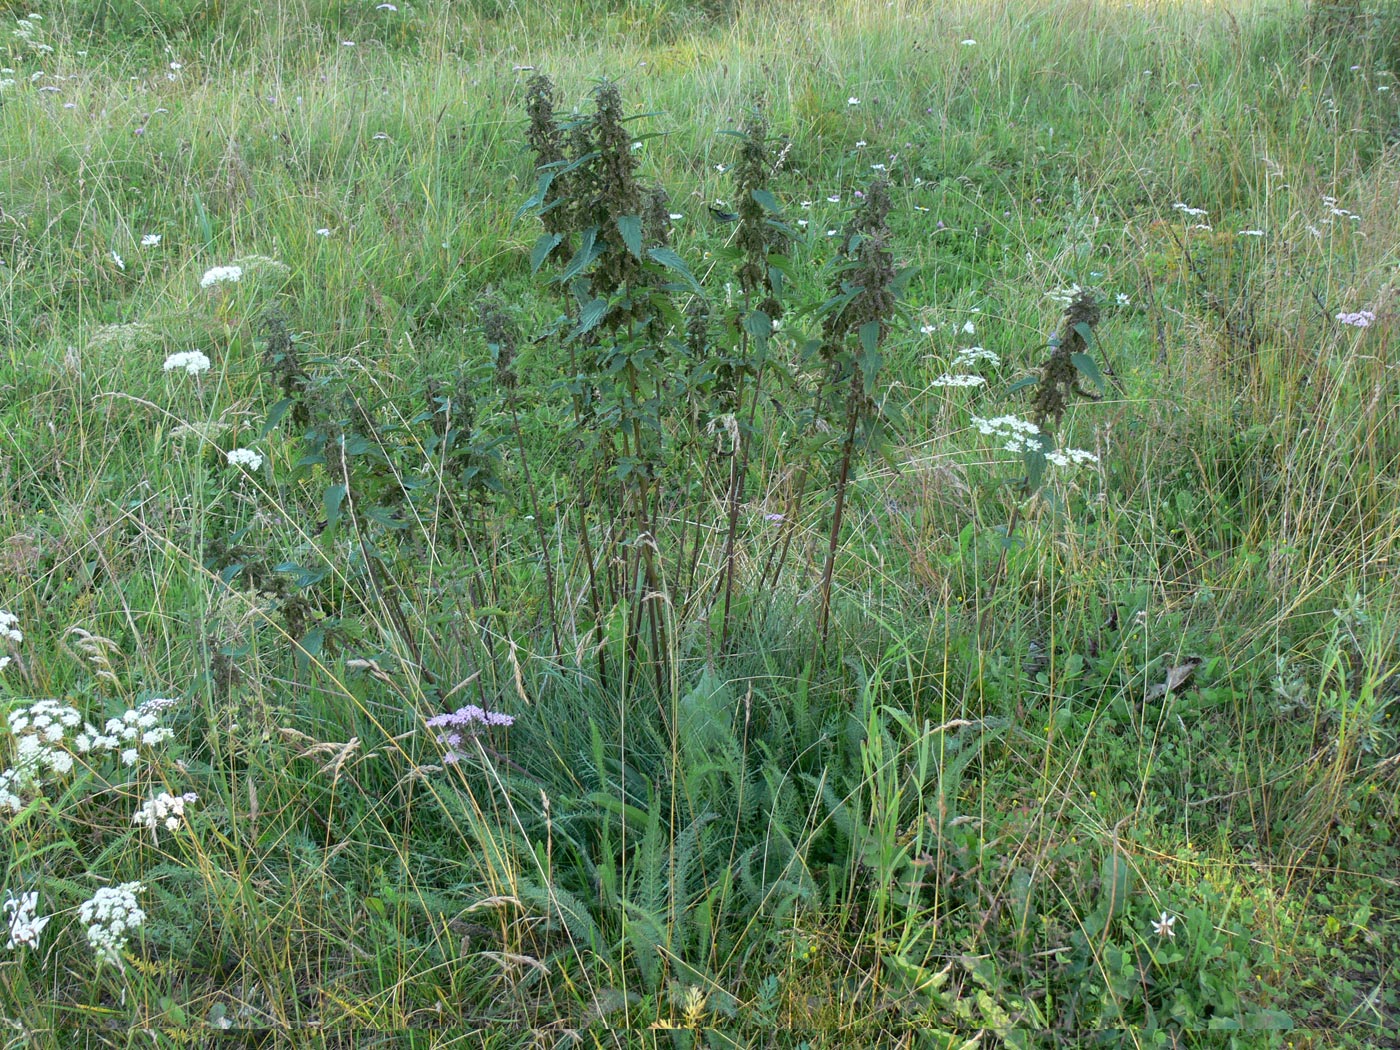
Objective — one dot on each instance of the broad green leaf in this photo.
(1022, 383)
(766, 201)
(333, 498)
(630, 228)
(1085, 332)
(546, 244)
(668, 258)
(1089, 368)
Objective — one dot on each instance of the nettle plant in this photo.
(675, 388)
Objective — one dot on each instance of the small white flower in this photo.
(110, 916)
(323, 232)
(9, 627)
(118, 260)
(853, 101)
(347, 43)
(386, 7)
(976, 355)
(150, 240)
(969, 43)
(1121, 299)
(1186, 209)
(381, 136)
(244, 457)
(221, 275)
(25, 926)
(835, 198)
(947, 380)
(192, 361)
(1163, 927)
(1251, 233)
(969, 328)
(928, 329)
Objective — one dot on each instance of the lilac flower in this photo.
(463, 723)
(1360, 319)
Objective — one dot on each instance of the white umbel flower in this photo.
(192, 361)
(244, 457)
(111, 916)
(25, 926)
(221, 275)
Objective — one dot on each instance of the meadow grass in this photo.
(1087, 755)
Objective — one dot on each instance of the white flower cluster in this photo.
(976, 355)
(39, 731)
(111, 917)
(1359, 319)
(134, 729)
(9, 627)
(1189, 211)
(165, 809)
(244, 457)
(1064, 296)
(1017, 434)
(221, 275)
(958, 380)
(25, 926)
(192, 361)
(1070, 457)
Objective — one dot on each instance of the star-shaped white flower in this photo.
(1164, 927)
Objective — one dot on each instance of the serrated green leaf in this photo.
(332, 499)
(589, 316)
(546, 244)
(1089, 367)
(766, 201)
(668, 258)
(588, 251)
(630, 229)
(1022, 383)
(1085, 332)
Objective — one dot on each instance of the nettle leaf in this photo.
(630, 228)
(870, 353)
(546, 244)
(1035, 468)
(759, 325)
(590, 314)
(588, 252)
(333, 498)
(668, 258)
(766, 201)
(1022, 383)
(1090, 369)
(275, 415)
(1085, 332)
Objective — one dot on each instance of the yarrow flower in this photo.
(9, 627)
(192, 361)
(958, 380)
(463, 723)
(976, 355)
(244, 457)
(165, 809)
(221, 275)
(25, 926)
(111, 916)
(1016, 434)
(1360, 319)
(1186, 209)
(1070, 457)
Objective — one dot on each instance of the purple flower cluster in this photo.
(463, 723)
(1360, 319)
